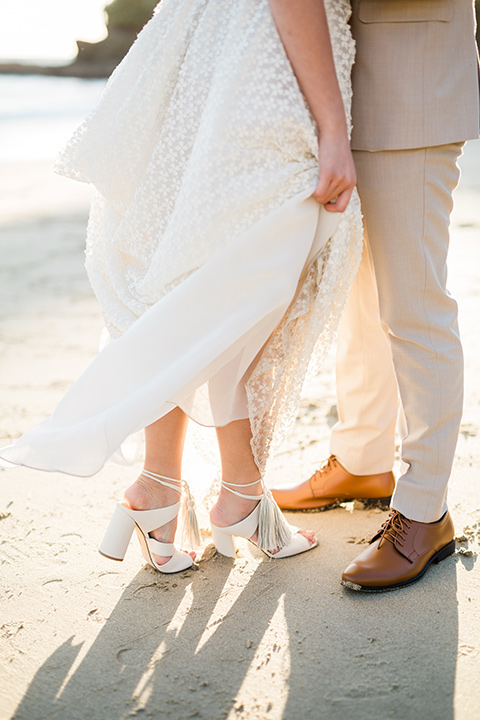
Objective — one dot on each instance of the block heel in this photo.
(224, 542)
(119, 532)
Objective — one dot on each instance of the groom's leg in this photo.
(407, 200)
(363, 440)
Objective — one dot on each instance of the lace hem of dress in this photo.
(301, 341)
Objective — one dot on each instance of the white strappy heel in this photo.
(267, 519)
(125, 520)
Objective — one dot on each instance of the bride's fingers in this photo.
(327, 189)
(334, 195)
(327, 192)
(339, 204)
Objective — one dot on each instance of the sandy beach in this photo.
(251, 639)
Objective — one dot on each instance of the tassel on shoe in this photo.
(188, 518)
(273, 530)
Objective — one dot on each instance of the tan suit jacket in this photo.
(416, 74)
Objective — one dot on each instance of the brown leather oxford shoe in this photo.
(400, 553)
(332, 483)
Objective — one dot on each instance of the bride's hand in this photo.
(337, 176)
(303, 29)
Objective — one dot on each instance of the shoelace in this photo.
(394, 528)
(326, 467)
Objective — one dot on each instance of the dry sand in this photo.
(84, 637)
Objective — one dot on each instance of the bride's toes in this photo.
(192, 554)
(309, 534)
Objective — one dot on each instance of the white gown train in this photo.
(218, 275)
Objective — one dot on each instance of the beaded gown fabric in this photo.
(221, 281)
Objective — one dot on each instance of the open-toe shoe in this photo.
(125, 521)
(275, 537)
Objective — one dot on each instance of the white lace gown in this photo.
(219, 277)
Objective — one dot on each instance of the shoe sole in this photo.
(440, 555)
(332, 503)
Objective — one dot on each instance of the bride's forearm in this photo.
(302, 26)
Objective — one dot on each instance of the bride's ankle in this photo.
(146, 493)
(232, 491)
(230, 507)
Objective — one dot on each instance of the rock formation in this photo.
(125, 18)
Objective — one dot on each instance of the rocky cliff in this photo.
(124, 19)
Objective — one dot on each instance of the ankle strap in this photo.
(171, 482)
(190, 529)
(225, 485)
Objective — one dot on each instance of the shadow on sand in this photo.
(279, 642)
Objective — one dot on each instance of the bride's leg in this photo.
(164, 442)
(238, 466)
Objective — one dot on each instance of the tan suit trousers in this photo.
(398, 344)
